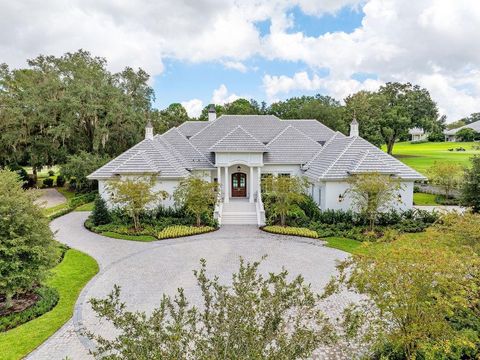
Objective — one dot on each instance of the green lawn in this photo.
(69, 277)
(423, 199)
(422, 156)
(86, 207)
(143, 238)
(344, 244)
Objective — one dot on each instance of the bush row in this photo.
(288, 230)
(48, 298)
(182, 230)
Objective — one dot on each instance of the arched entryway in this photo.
(239, 184)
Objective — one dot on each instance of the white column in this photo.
(259, 181)
(219, 178)
(251, 184)
(226, 182)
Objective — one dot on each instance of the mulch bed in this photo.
(19, 303)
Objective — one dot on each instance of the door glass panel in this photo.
(235, 182)
(242, 181)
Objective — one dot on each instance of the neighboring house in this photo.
(417, 134)
(238, 150)
(451, 135)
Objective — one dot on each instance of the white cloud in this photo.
(194, 107)
(429, 42)
(235, 65)
(222, 96)
(337, 88)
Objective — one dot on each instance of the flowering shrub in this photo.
(182, 230)
(288, 230)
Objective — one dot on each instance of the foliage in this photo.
(373, 192)
(471, 185)
(48, 298)
(283, 195)
(447, 176)
(68, 278)
(47, 183)
(467, 134)
(198, 196)
(134, 195)
(289, 230)
(174, 115)
(386, 115)
(418, 294)
(182, 230)
(100, 214)
(463, 229)
(26, 241)
(79, 166)
(60, 180)
(79, 200)
(254, 317)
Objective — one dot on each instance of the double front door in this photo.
(239, 185)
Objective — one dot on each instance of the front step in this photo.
(239, 218)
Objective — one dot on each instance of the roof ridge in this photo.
(142, 154)
(172, 149)
(193, 146)
(167, 158)
(294, 128)
(206, 127)
(339, 156)
(361, 160)
(309, 163)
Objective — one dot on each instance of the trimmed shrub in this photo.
(289, 230)
(82, 199)
(60, 181)
(100, 214)
(51, 173)
(181, 230)
(48, 299)
(47, 183)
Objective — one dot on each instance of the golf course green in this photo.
(421, 156)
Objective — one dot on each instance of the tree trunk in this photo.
(390, 144)
(35, 175)
(282, 219)
(199, 220)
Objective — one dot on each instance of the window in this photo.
(283, 175)
(265, 183)
(319, 196)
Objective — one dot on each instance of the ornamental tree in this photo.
(134, 195)
(27, 248)
(471, 185)
(197, 196)
(372, 193)
(446, 175)
(256, 317)
(285, 194)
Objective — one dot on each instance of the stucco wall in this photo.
(168, 185)
(293, 170)
(227, 159)
(332, 190)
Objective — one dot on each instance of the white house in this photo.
(238, 150)
(417, 134)
(451, 135)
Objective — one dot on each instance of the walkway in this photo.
(50, 198)
(147, 270)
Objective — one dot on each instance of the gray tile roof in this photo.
(291, 146)
(343, 155)
(194, 158)
(238, 140)
(474, 126)
(323, 153)
(190, 128)
(148, 156)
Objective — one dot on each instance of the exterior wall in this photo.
(293, 170)
(168, 185)
(332, 190)
(227, 159)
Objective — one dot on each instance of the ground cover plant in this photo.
(422, 156)
(290, 230)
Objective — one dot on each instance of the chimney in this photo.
(149, 130)
(212, 115)
(354, 127)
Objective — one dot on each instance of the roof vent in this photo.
(354, 127)
(149, 130)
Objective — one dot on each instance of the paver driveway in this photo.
(147, 270)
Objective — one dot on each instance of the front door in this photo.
(239, 185)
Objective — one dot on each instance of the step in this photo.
(239, 217)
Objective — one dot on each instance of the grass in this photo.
(86, 207)
(143, 238)
(69, 194)
(424, 199)
(344, 244)
(422, 156)
(69, 277)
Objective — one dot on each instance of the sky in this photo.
(215, 51)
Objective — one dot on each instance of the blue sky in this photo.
(184, 80)
(218, 50)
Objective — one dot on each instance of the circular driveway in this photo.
(145, 271)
